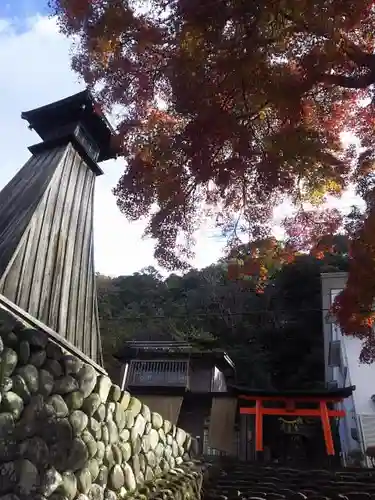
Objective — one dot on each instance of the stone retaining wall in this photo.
(68, 433)
(181, 483)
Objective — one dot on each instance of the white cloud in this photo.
(37, 71)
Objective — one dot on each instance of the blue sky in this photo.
(19, 10)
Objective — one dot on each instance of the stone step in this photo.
(254, 482)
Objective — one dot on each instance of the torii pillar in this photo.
(46, 221)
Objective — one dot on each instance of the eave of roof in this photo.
(341, 393)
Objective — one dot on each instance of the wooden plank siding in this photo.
(46, 246)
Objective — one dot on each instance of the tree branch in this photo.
(357, 55)
(350, 82)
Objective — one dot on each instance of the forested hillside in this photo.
(274, 338)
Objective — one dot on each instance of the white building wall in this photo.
(361, 375)
(360, 409)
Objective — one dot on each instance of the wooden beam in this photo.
(258, 425)
(305, 412)
(326, 428)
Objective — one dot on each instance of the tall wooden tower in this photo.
(46, 221)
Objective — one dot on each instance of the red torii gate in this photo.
(291, 406)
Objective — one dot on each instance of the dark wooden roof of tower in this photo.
(46, 222)
(78, 108)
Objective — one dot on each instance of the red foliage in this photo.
(257, 262)
(354, 307)
(255, 95)
(305, 230)
(312, 232)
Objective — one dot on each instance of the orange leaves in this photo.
(311, 232)
(319, 254)
(104, 49)
(256, 95)
(262, 258)
(250, 270)
(158, 117)
(238, 105)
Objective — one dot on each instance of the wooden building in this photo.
(196, 390)
(185, 385)
(46, 221)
